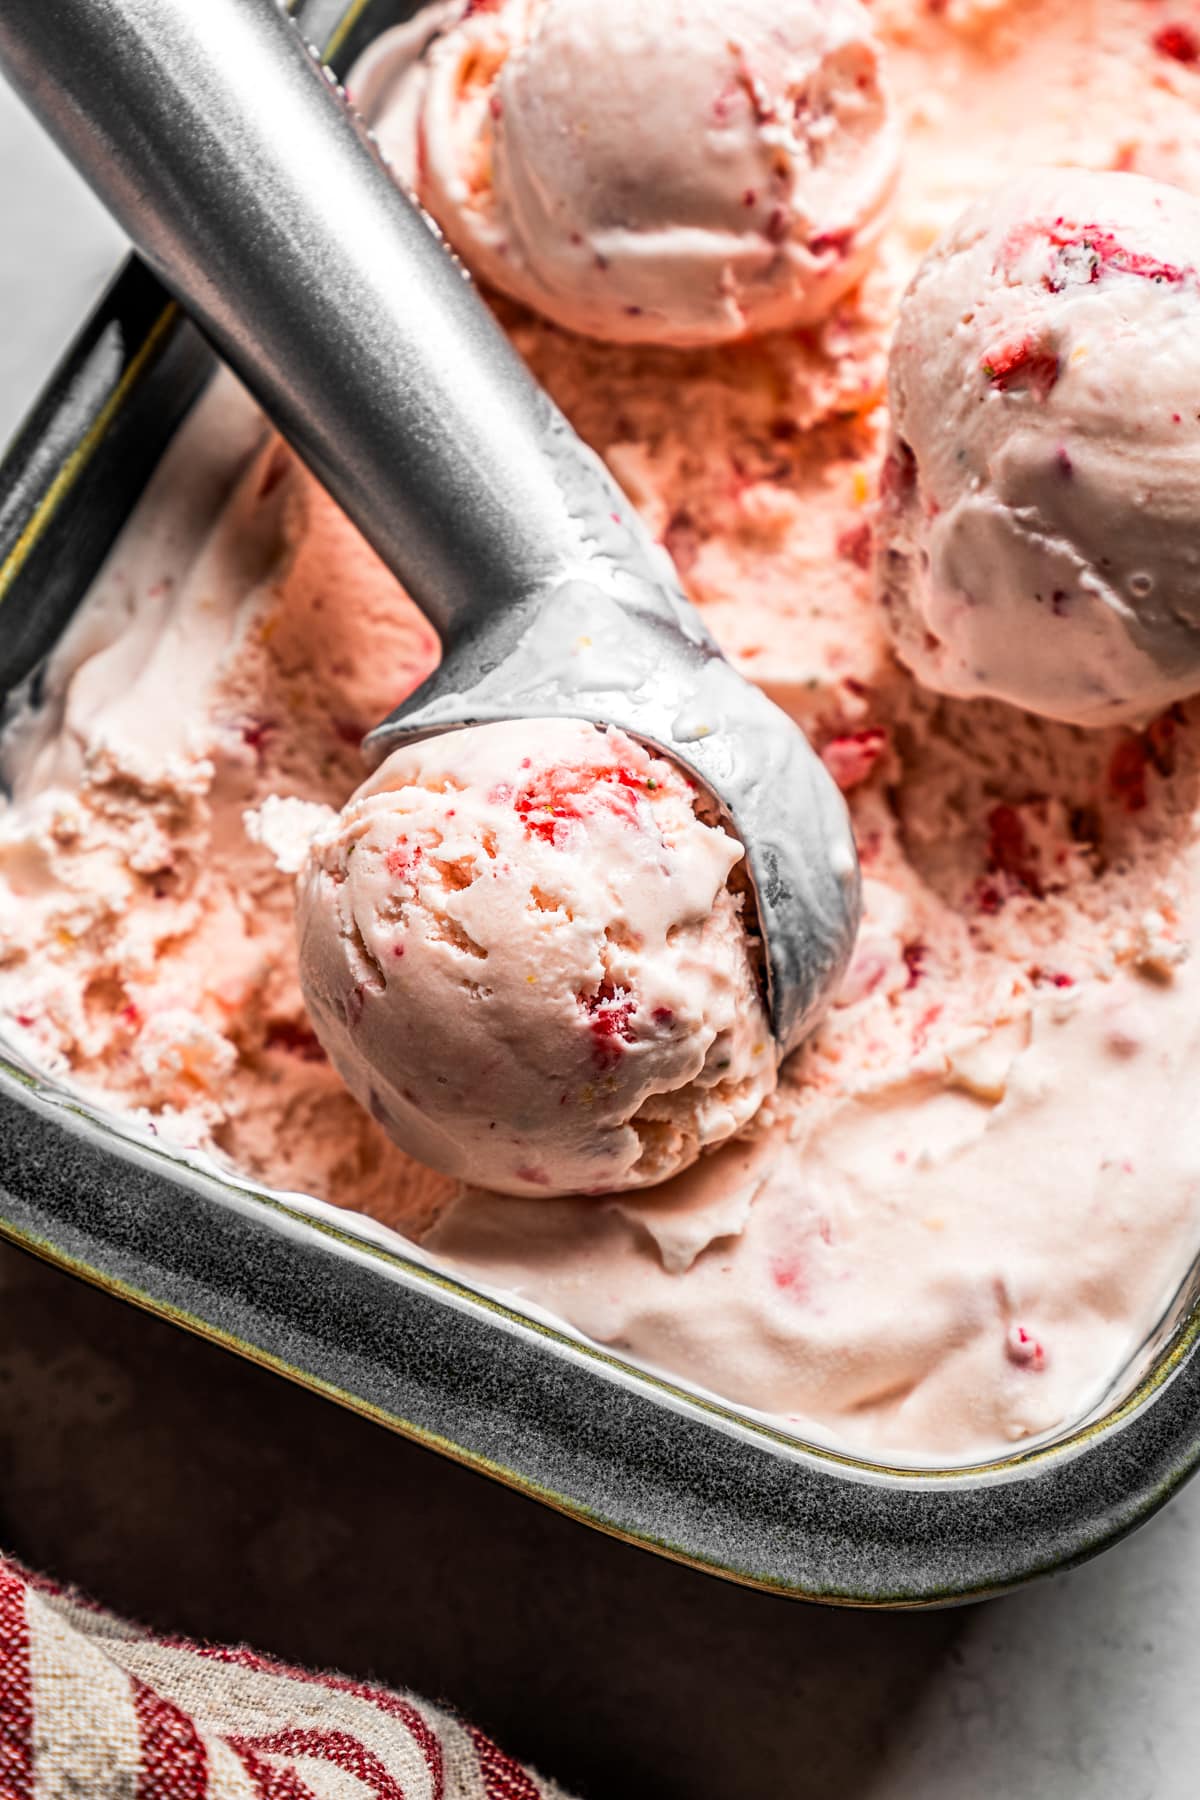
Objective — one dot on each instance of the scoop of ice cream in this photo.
(519, 947)
(1037, 529)
(654, 174)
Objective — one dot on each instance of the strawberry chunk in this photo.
(1178, 42)
(557, 796)
(850, 759)
(1021, 365)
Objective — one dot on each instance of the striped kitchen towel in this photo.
(94, 1709)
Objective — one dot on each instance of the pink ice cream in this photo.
(654, 174)
(1037, 535)
(519, 947)
(975, 1193)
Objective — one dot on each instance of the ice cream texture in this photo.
(654, 174)
(519, 947)
(976, 1190)
(1037, 537)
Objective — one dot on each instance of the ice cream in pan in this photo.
(974, 1189)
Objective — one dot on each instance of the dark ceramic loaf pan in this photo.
(327, 1303)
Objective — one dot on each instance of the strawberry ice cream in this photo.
(1038, 522)
(974, 1195)
(654, 174)
(519, 948)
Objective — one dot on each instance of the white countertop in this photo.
(1084, 1688)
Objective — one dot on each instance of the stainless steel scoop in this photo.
(213, 135)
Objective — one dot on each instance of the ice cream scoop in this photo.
(215, 138)
(1037, 526)
(651, 173)
(520, 948)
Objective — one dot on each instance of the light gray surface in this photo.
(622, 1675)
(57, 251)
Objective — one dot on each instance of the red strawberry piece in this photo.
(1178, 42)
(1021, 365)
(853, 543)
(850, 759)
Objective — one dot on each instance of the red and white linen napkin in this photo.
(94, 1709)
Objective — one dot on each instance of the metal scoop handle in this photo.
(207, 129)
